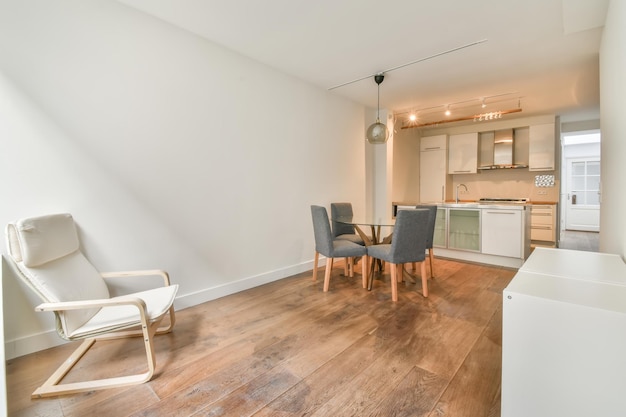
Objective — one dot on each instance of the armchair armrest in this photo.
(140, 273)
(77, 305)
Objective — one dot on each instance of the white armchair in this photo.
(46, 252)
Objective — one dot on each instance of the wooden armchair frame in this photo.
(148, 328)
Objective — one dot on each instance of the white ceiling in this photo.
(540, 53)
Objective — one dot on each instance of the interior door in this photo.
(583, 194)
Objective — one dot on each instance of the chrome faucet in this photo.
(457, 191)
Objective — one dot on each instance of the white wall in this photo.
(613, 130)
(170, 151)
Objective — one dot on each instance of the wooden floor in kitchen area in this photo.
(289, 349)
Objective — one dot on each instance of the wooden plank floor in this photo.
(288, 349)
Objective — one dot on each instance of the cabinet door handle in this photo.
(501, 212)
(443, 188)
(434, 148)
(461, 172)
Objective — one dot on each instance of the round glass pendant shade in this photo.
(377, 133)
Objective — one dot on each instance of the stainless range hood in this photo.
(503, 151)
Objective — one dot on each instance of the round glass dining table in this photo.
(375, 225)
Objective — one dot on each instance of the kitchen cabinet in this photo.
(502, 232)
(485, 149)
(464, 229)
(463, 153)
(543, 224)
(541, 147)
(433, 168)
(461, 234)
(440, 236)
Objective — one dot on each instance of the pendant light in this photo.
(378, 132)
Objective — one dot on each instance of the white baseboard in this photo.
(32, 343)
(40, 341)
(208, 294)
(479, 257)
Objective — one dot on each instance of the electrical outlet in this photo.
(542, 192)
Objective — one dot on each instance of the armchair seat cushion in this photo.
(126, 316)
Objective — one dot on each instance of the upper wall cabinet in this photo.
(434, 143)
(541, 147)
(463, 153)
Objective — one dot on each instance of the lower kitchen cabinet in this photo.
(441, 228)
(464, 229)
(543, 225)
(502, 232)
(495, 235)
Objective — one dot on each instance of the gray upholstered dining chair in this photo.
(341, 230)
(430, 232)
(333, 248)
(407, 246)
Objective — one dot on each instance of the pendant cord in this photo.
(378, 106)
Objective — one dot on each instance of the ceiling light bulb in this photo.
(447, 110)
(483, 105)
(412, 117)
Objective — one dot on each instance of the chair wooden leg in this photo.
(400, 273)
(315, 260)
(346, 268)
(364, 269)
(424, 279)
(350, 261)
(329, 267)
(394, 283)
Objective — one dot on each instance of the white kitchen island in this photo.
(564, 336)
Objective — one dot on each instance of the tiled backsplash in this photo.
(504, 183)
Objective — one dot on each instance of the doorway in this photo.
(580, 182)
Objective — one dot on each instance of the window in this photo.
(586, 183)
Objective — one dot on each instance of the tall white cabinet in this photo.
(433, 168)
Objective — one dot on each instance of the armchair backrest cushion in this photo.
(46, 252)
(38, 240)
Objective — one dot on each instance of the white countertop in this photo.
(594, 266)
